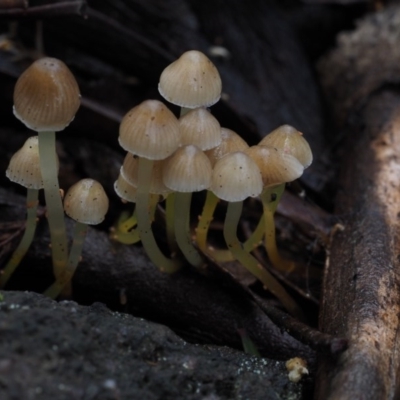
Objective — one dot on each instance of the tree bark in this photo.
(361, 298)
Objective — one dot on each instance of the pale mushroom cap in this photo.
(200, 128)
(191, 81)
(124, 189)
(86, 202)
(46, 96)
(150, 130)
(129, 171)
(236, 177)
(230, 142)
(187, 170)
(24, 167)
(290, 141)
(276, 167)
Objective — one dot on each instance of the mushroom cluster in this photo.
(46, 99)
(169, 159)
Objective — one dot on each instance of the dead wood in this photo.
(361, 298)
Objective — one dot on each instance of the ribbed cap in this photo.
(290, 141)
(86, 202)
(236, 177)
(24, 167)
(200, 128)
(46, 96)
(124, 189)
(150, 130)
(230, 142)
(191, 81)
(187, 170)
(276, 166)
(130, 170)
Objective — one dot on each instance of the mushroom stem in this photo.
(232, 218)
(66, 275)
(184, 111)
(144, 220)
(124, 230)
(20, 251)
(170, 222)
(204, 225)
(204, 222)
(270, 198)
(55, 211)
(182, 229)
(125, 225)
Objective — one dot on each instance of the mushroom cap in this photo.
(124, 189)
(24, 166)
(129, 171)
(191, 81)
(276, 167)
(290, 141)
(86, 202)
(150, 130)
(200, 128)
(236, 177)
(46, 96)
(187, 170)
(230, 142)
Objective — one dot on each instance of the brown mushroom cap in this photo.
(86, 202)
(124, 189)
(150, 130)
(276, 167)
(187, 170)
(230, 142)
(46, 96)
(290, 141)
(236, 177)
(129, 171)
(191, 81)
(200, 128)
(24, 166)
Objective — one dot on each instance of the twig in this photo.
(77, 7)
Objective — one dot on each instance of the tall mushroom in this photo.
(46, 99)
(151, 132)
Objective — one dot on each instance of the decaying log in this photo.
(361, 298)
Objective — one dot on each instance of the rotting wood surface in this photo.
(361, 298)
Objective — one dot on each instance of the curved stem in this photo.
(124, 224)
(270, 198)
(170, 223)
(66, 275)
(30, 228)
(250, 263)
(182, 229)
(55, 210)
(204, 225)
(144, 221)
(204, 222)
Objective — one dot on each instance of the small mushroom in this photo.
(86, 203)
(24, 169)
(46, 99)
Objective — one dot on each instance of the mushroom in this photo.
(151, 132)
(46, 99)
(188, 170)
(230, 142)
(277, 168)
(24, 168)
(235, 177)
(86, 203)
(191, 81)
